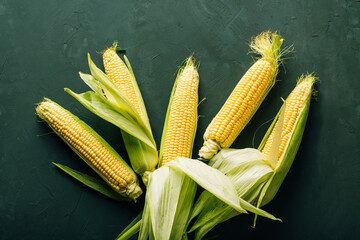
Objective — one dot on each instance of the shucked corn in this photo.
(91, 148)
(181, 125)
(246, 97)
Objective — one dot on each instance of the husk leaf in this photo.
(286, 159)
(138, 93)
(141, 149)
(217, 183)
(169, 199)
(97, 184)
(97, 105)
(131, 229)
(247, 170)
(142, 157)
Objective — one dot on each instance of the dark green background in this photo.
(44, 45)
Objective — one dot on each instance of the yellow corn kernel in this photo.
(246, 97)
(240, 105)
(182, 120)
(294, 105)
(92, 150)
(117, 71)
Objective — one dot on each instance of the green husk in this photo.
(216, 183)
(138, 93)
(131, 229)
(109, 103)
(112, 93)
(286, 159)
(133, 190)
(137, 149)
(106, 111)
(169, 199)
(170, 193)
(143, 157)
(248, 169)
(92, 182)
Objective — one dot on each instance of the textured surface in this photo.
(44, 45)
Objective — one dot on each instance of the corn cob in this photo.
(117, 71)
(294, 105)
(91, 148)
(246, 97)
(179, 131)
(282, 140)
(142, 157)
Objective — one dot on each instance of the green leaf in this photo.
(247, 170)
(138, 93)
(131, 229)
(222, 215)
(169, 199)
(92, 83)
(217, 183)
(97, 105)
(142, 157)
(92, 182)
(112, 93)
(287, 157)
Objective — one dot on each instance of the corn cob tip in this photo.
(113, 47)
(309, 77)
(115, 44)
(267, 45)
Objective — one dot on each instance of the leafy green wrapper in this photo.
(169, 198)
(109, 103)
(92, 182)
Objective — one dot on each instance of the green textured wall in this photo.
(44, 46)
